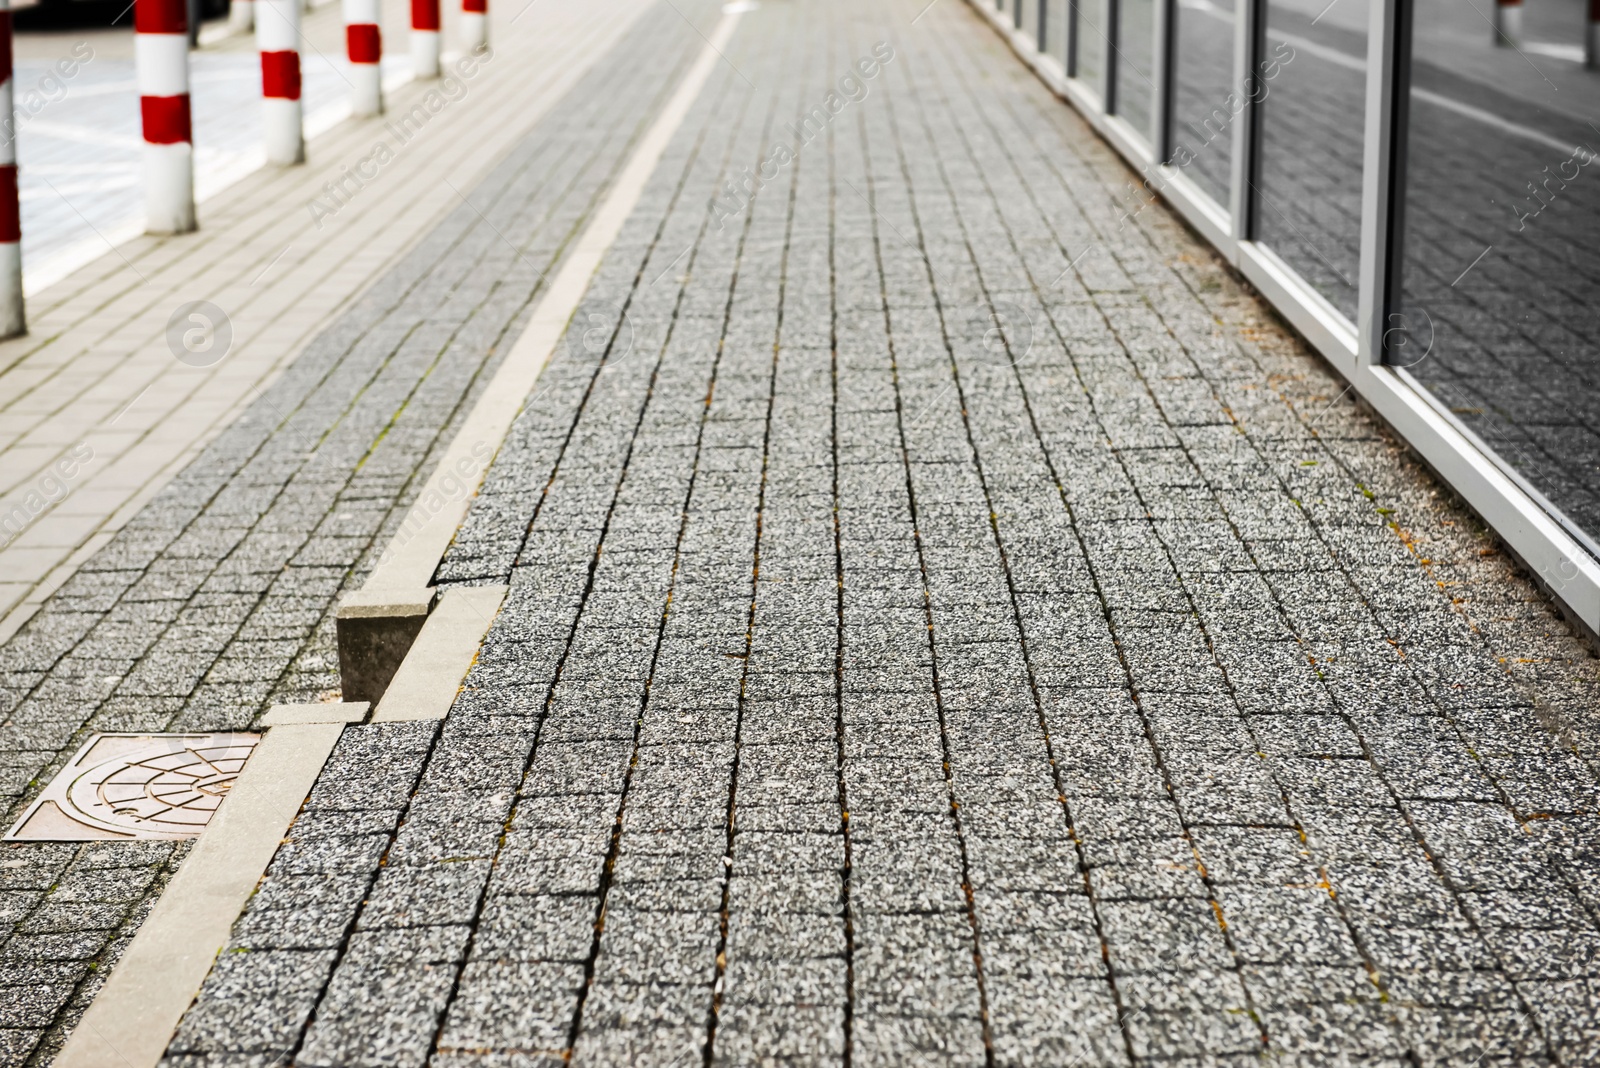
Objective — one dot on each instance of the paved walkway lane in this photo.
(949, 623)
(215, 601)
(279, 255)
(890, 679)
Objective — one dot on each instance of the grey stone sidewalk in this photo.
(945, 627)
(884, 684)
(216, 601)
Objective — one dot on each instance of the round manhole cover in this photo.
(138, 786)
(158, 791)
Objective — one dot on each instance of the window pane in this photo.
(1055, 29)
(1500, 263)
(1308, 193)
(1135, 85)
(1092, 42)
(1203, 113)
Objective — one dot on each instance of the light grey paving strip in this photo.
(900, 371)
(736, 798)
(1002, 497)
(726, 405)
(432, 671)
(133, 1017)
(847, 882)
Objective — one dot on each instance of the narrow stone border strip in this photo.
(135, 1014)
(433, 670)
(412, 556)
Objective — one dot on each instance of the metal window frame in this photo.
(1070, 60)
(1163, 56)
(1512, 509)
(1249, 35)
(1111, 70)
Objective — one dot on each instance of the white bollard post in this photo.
(475, 25)
(278, 36)
(241, 16)
(12, 322)
(364, 47)
(161, 59)
(1507, 22)
(424, 38)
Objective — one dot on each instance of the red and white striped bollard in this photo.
(278, 37)
(364, 47)
(424, 38)
(475, 24)
(161, 58)
(12, 321)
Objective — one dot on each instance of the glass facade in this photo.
(1498, 244)
(1090, 43)
(1432, 227)
(1053, 31)
(1203, 98)
(1135, 69)
(1306, 191)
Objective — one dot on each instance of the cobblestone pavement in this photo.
(216, 600)
(888, 680)
(946, 626)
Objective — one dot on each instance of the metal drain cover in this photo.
(125, 786)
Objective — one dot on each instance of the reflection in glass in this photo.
(1203, 113)
(1307, 196)
(1092, 42)
(1053, 39)
(1135, 85)
(1499, 268)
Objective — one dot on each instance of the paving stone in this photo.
(865, 691)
